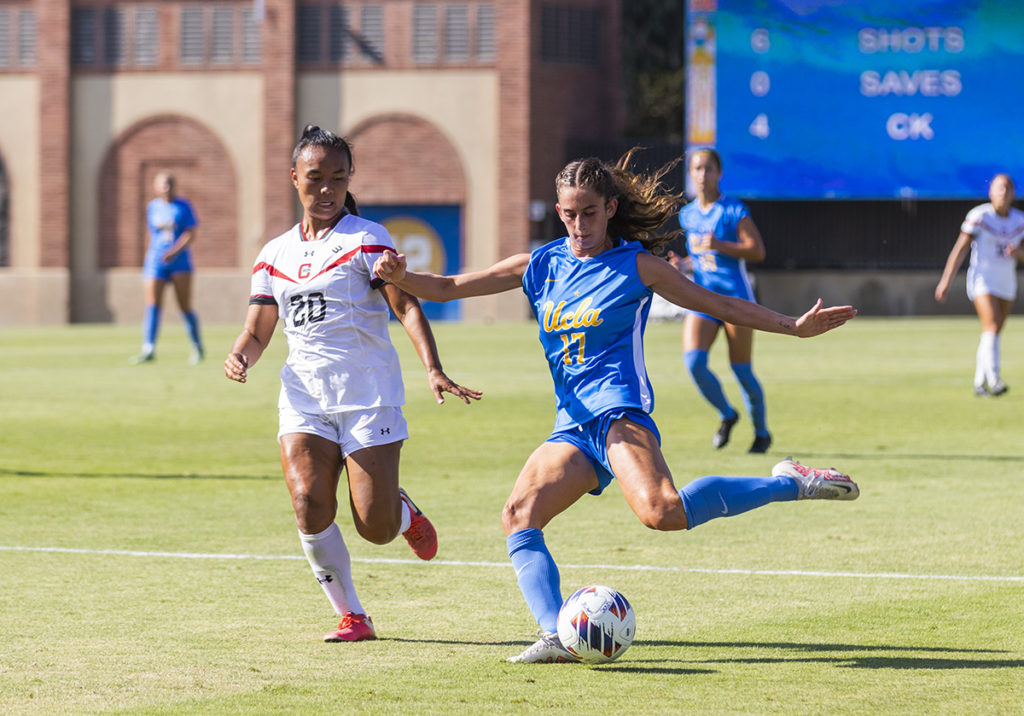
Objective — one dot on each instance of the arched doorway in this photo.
(408, 177)
(204, 175)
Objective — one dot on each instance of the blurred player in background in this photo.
(341, 386)
(721, 237)
(993, 233)
(591, 292)
(172, 229)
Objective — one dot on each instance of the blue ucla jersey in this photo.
(167, 221)
(592, 314)
(726, 275)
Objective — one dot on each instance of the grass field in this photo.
(149, 561)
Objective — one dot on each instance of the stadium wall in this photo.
(223, 108)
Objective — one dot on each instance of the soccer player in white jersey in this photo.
(993, 233)
(591, 294)
(341, 386)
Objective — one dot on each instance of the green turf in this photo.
(832, 608)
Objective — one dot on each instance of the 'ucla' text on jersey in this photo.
(592, 314)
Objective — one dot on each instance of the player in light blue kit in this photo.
(721, 237)
(591, 292)
(172, 224)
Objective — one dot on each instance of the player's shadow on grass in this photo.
(842, 658)
(4, 472)
(517, 646)
(963, 457)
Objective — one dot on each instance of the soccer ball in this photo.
(596, 624)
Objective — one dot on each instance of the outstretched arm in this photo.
(502, 276)
(953, 261)
(667, 282)
(408, 310)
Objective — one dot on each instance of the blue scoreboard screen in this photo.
(874, 99)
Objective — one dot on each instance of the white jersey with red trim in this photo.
(340, 355)
(993, 267)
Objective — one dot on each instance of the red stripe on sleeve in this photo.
(264, 266)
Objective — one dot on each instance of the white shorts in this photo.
(998, 284)
(351, 430)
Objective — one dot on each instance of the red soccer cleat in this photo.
(353, 627)
(421, 535)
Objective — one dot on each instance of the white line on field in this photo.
(460, 563)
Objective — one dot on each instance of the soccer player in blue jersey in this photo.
(591, 292)
(172, 224)
(720, 238)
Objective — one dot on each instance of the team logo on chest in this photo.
(556, 318)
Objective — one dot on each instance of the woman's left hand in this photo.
(818, 320)
(441, 383)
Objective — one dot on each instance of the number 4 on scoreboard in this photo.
(759, 127)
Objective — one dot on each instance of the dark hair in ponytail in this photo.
(313, 136)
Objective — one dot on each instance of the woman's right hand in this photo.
(235, 367)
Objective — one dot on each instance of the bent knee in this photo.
(378, 533)
(311, 512)
(515, 516)
(662, 516)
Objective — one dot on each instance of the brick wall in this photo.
(573, 102)
(515, 55)
(401, 159)
(281, 133)
(53, 21)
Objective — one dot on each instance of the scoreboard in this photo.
(870, 99)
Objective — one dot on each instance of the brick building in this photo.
(456, 109)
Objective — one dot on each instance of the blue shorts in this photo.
(155, 268)
(592, 440)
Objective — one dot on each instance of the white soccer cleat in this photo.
(817, 484)
(546, 650)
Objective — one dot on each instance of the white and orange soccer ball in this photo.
(596, 624)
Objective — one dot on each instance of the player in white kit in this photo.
(341, 386)
(993, 233)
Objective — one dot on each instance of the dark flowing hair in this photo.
(313, 136)
(645, 202)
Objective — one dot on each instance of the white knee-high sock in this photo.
(406, 517)
(988, 357)
(979, 362)
(332, 567)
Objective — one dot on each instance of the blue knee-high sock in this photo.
(708, 385)
(709, 497)
(537, 575)
(192, 326)
(753, 396)
(150, 327)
